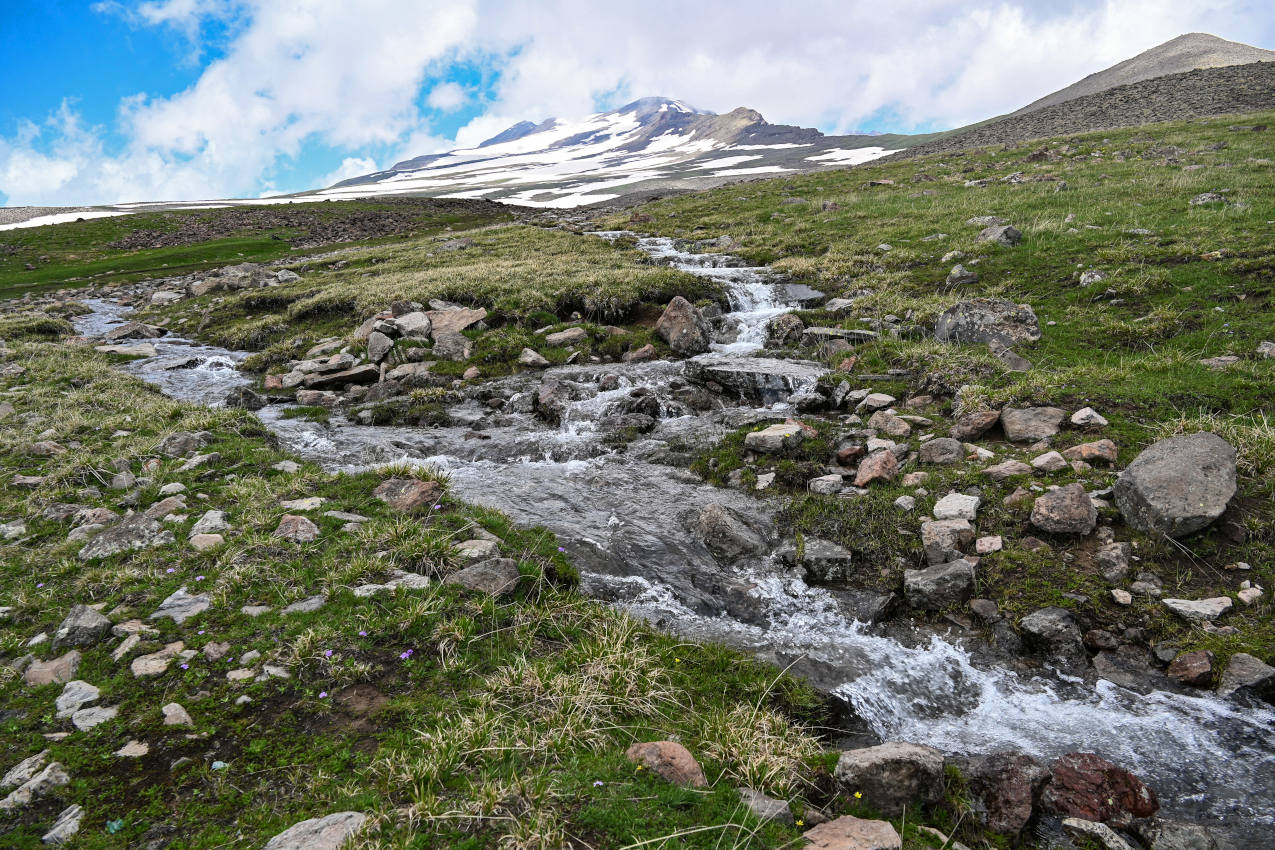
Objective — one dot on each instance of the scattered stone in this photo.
(326, 833)
(157, 662)
(532, 359)
(1192, 668)
(1121, 597)
(133, 750)
(957, 506)
(1178, 485)
(1007, 786)
(878, 466)
(408, 494)
(1007, 469)
(1087, 417)
(1049, 462)
(245, 398)
(766, 808)
(65, 827)
(569, 336)
(1199, 610)
(130, 534)
(175, 715)
(1004, 234)
(893, 775)
(24, 770)
(944, 540)
(873, 402)
(1084, 785)
(304, 606)
(1067, 510)
(1053, 631)
(477, 550)
(905, 503)
(1113, 561)
(82, 627)
(1246, 674)
(204, 542)
(942, 450)
(988, 545)
(56, 671)
(1087, 830)
(52, 776)
(496, 576)
(826, 485)
(75, 695)
(87, 718)
(287, 466)
(181, 606)
(940, 586)
(297, 529)
(669, 760)
(971, 426)
(1032, 424)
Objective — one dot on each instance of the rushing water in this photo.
(625, 519)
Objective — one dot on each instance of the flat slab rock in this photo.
(850, 833)
(326, 833)
(764, 378)
(182, 605)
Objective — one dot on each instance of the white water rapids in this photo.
(617, 514)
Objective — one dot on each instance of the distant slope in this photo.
(651, 146)
(1185, 53)
(1195, 94)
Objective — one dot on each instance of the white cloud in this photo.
(351, 166)
(447, 97)
(350, 76)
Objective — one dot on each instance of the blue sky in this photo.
(121, 100)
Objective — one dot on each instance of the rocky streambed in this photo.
(649, 535)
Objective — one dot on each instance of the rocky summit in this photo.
(928, 502)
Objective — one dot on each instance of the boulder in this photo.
(940, 586)
(1178, 485)
(413, 325)
(408, 494)
(1088, 832)
(378, 345)
(326, 833)
(850, 833)
(245, 398)
(452, 346)
(986, 321)
(1032, 424)
(1053, 631)
(775, 438)
(670, 761)
(365, 374)
(1004, 234)
(76, 695)
(878, 466)
(82, 627)
(1085, 785)
(971, 426)
(942, 450)
(822, 560)
(51, 777)
(684, 328)
(130, 534)
(726, 535)
(1006, 790)
(1067, 510)
(1192, 668)
(893, 775)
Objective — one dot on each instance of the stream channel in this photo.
(626, 520)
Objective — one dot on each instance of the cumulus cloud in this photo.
(352, 76)
(351, 166)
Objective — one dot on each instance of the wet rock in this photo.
(1030, 425)
(727, 536)
(878, 466)
(822, 560)
(134, 330)
(892, 775)
(670, 761)
(365, 374)
(496, 576)
(784, 330)
(766, 808)
(1084, 785)
(55, 671)
(1246, 675)
(1199, 610)
(133, 533)
(775, 438)
(245, 398)
(1067, 510)
(850, 833)
(944, 540)
(1053, 631)
(940, 586)
(684, 328)
(1089, 831)
(408, 494)
(82, 627)
(1178, 485)
(763, 379)
(987, 320)
(326, 833)
(1006, 788)
(1157, 834)
(65, 827)
(181, 606)
(1192, 668)
(296, 528)
(942, 450)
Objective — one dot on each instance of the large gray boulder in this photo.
(1246, 674)
(941, 586)
(135, 532)
(1179, 485)
(893, 775)
(327, 833)
(82, 627)
(684, 328)
(987, 320)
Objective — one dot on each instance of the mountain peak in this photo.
(1186, 52)
(644, 107)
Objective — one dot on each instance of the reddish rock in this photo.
(851, 833)
(1103, 450)
(646, 352)
(408, 494)
(1007, 787)
(971, 426)
(298, 529)
(849, 454)
(1192, 668)
(1084, 785)
(670, 760)
(272, 382)
(454, 321)
(879, 466)
(56, 671)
